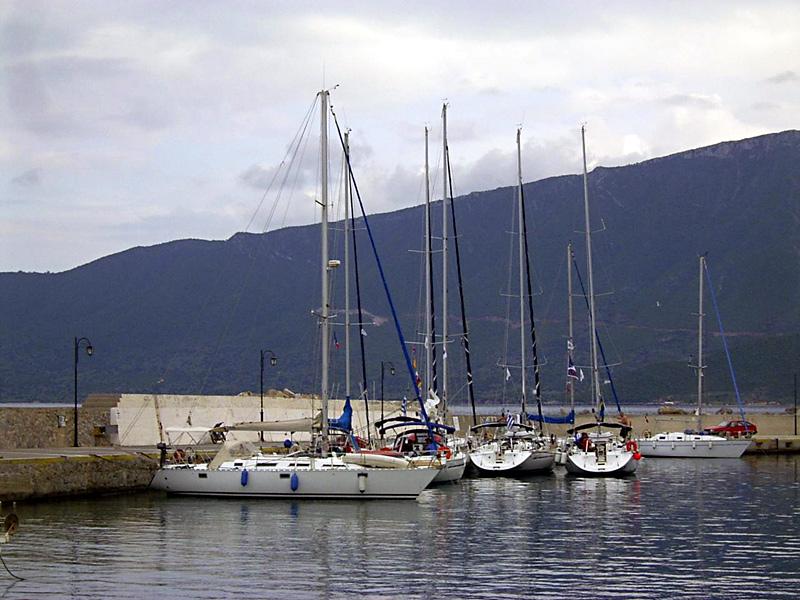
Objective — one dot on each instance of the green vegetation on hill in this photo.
(190, 316)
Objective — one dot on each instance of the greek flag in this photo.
(510, 420)
(571, 370)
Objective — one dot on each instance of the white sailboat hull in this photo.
(670, 445)
(493, 461)
(452, 469)
(617, 463)
(449, 469)
(345, 482)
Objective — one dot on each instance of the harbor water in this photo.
(679, 528)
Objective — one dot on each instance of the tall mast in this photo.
(521, 272)
(323, 156)
(700, 365)
(444, 259)
(347, 265)
(428, 290)
(570, 339)
(593, 324)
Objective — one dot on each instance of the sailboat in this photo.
(239, 469)
(411, 436)
(694, 444)
(602, 448)
(520, 448)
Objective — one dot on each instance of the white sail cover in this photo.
(289, 425)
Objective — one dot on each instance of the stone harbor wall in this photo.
(41, 478)
(52, 427)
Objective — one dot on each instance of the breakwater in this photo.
(34, 475)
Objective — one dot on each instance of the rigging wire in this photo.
(599, 344)
(291, 156)
(507, 334)
(465, 332)
(536, 377)
(725, 343)
(422, 410)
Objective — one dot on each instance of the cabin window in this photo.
(203, 475)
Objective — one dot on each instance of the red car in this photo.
(732, 429)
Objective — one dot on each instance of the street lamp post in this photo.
(273, 360)
(391, 372)
(89, 351)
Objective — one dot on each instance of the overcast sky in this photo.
(129, 123)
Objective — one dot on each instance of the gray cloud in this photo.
(30, 178)
(540, 159)
(784, 77)
(690, 100)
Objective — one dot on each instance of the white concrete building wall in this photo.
(137, 416)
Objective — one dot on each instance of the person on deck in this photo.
(584, 443)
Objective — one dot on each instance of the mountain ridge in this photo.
(189, 315)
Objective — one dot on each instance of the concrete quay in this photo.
(774, 444)
(42, 473)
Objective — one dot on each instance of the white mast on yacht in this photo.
(347, 264)
(700, 366)
(428, 291)
(520, 208)
(593, 324)
(324, 316)
(443, 387)
(570, 339)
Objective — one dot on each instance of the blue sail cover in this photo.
(570, 418)
(345, 422)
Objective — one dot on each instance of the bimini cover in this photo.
(231, 450)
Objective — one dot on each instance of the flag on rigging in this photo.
(570, 345)
(510, 420)
(417, 378)
(508, 374)
(572, 371)
(336, 341)
(581, 377)
(363, 332)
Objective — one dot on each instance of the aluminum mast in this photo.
(521, 282)
(443, 387)
(324, 317)
(593, 331)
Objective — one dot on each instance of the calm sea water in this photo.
(680, 528)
